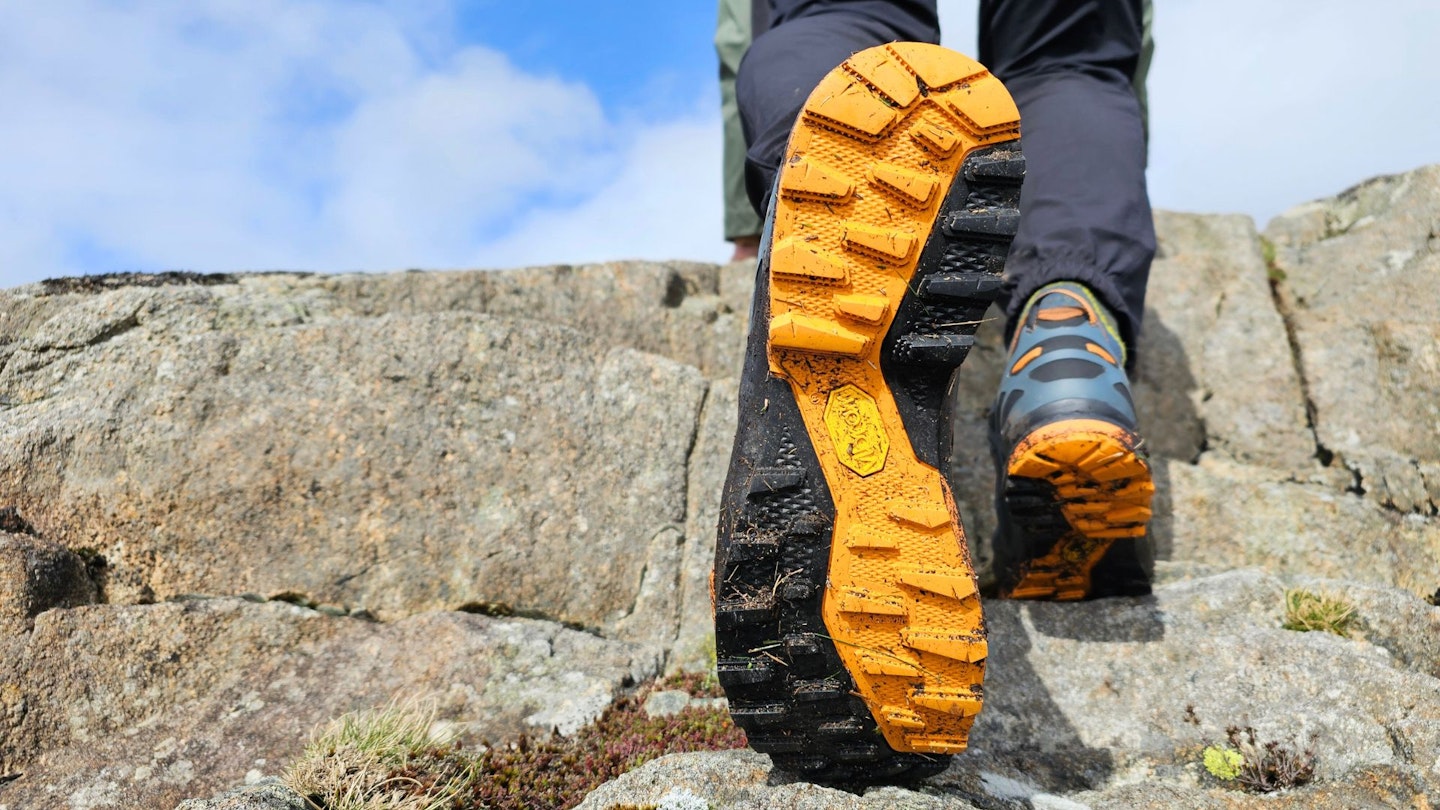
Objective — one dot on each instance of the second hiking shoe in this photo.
(848, 629)
(1073, 483)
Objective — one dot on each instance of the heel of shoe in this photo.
(1071, 490)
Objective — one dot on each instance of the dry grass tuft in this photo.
(366, 761)
(1306, 611)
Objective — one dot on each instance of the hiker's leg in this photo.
(1071, 66)
(734, 30)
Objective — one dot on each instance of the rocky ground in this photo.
(244, 505)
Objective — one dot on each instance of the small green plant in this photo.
(1306, 611)
(1272, 269)
(1258, 768)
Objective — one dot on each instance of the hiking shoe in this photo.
(848, 631)
(1073, 484)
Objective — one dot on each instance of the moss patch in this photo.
(1223, 763)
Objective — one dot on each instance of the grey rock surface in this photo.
(1088, 692)
(1360, 274)
(1211, 299)
(694, 648)
(668, 702)
(398, 463)
(266, 794)
(743, 780)
(1217, 515)
(146, 705)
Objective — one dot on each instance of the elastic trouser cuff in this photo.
(1084, 211)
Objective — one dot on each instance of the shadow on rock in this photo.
(1118, 619)
(1165, 387)
(1024, 746)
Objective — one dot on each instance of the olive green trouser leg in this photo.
(733, 32)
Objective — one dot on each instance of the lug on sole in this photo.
(1075, 487)
(848, 628)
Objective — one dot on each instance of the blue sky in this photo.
(337, 135)
(647, 58)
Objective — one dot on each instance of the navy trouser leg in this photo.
(1084, 210)
(1085, 213)
(806, 40)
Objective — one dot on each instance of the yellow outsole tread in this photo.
(1085, 481)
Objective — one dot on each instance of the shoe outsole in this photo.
(1072, 489)
(849, 636)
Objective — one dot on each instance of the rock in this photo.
(1375, 788)
(1219, 515)
(12, 522)
(1360, 272)
(667, 702)
(397, 463)
(692, 313)
(1079, 695)
(146, 705)
(1211, 298)
(1110, 703)
(36, 576)
(743, 780)
(267, 794)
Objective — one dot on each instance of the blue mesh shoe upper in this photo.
(1066, 362)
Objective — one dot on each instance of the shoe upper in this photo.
(1066, 361)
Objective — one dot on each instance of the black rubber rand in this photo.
(956, 281)
(786, 685)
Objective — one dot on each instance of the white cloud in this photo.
(664, 204)
(147, 133)
(226, 135)
(1256, 107)
(419, 172)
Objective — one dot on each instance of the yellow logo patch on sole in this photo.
(857, 430)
